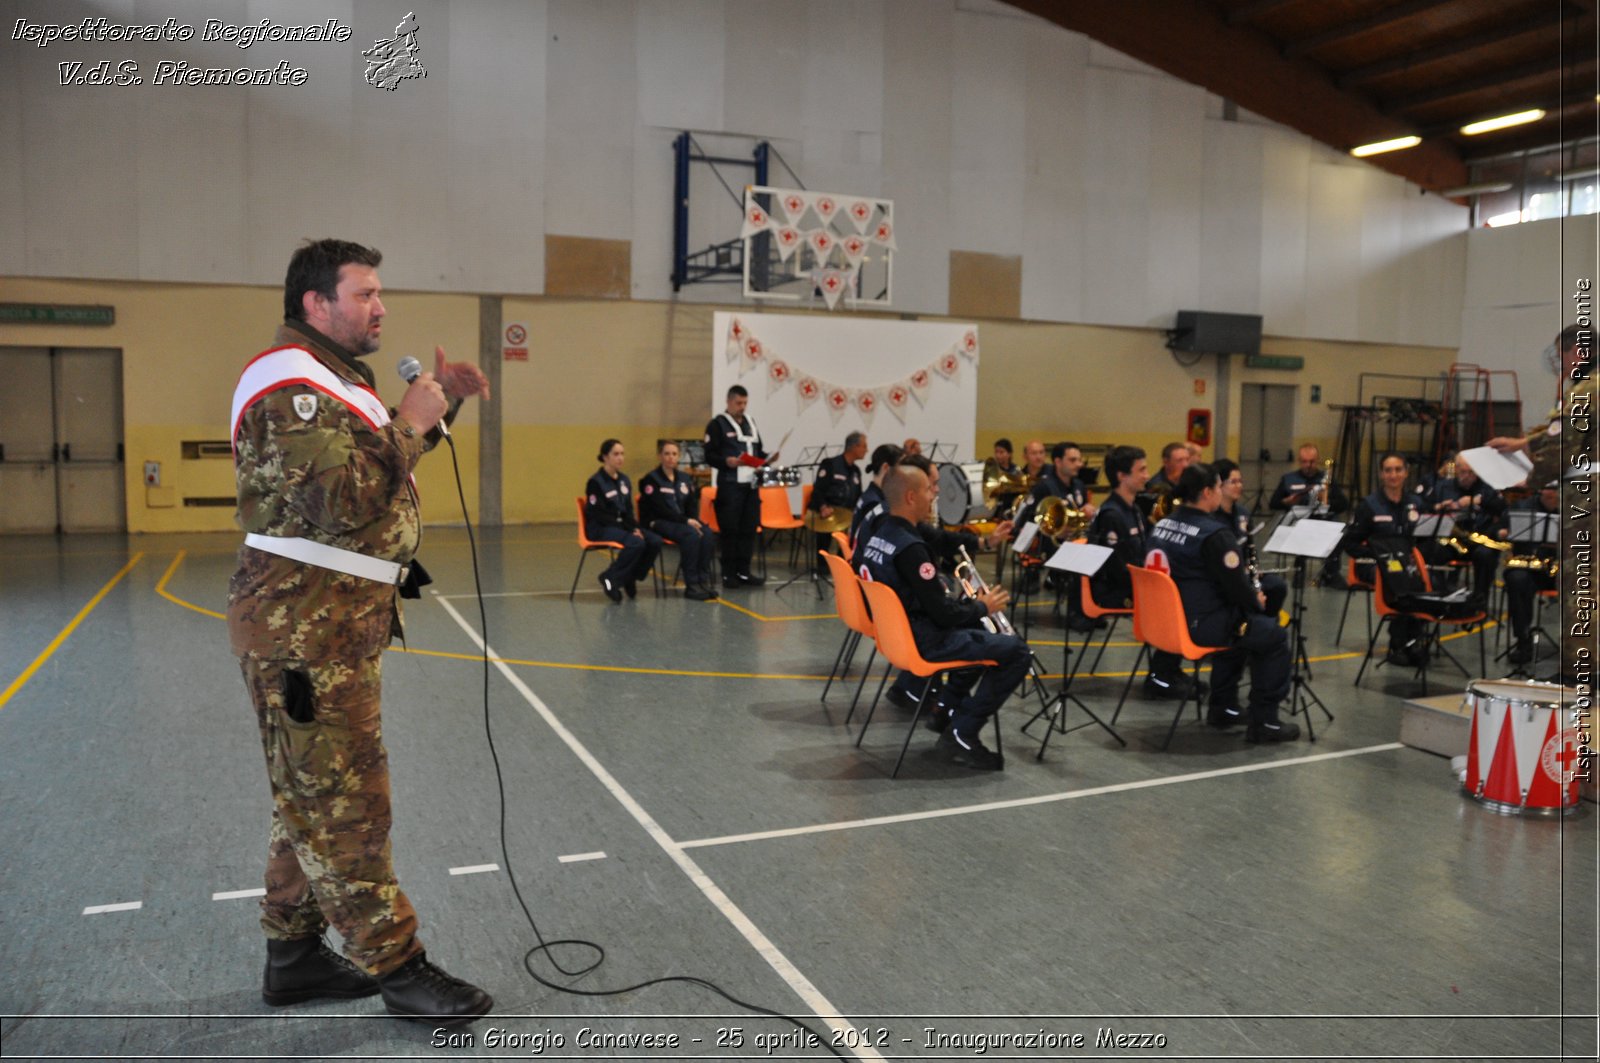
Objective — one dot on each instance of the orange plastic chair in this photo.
(1159, 621)
(897, 644)
(776, 516)
(1094, 611)
(1354, 585)
(843, 540)
(1432, 621)
(587, 545)
(852, 608)
(708, 508)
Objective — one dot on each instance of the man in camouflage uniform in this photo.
(1563, 448)
(330, 511)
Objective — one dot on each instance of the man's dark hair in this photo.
(315, 268)
(1225, 467)
(1193, 481)
(1120, 462)
(886, 454)
(916, 461)
(1005, 444)
(738, 389)
(853, 438)
(1059, 451)
(1171, 449)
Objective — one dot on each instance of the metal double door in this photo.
(61, 443)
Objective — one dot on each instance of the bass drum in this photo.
(1520, 757)
(961, 493)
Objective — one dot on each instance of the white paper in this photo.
(1025, 537)
(1433, 525)
(1306, 538)
(1498, 470)
(1528, 527)
(1083, 558)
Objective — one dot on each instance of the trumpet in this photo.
(1320, 492)
(972, 585)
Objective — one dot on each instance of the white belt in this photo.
(331, 557)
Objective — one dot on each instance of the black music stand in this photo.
(813, 569)
(1532, 529)
(1306, 538)
(1079, 559)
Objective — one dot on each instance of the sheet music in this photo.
(1432, 525)
(1306, 538)
(1498, 470)
(1083, 558)
(1025, 537)
(1528, 527)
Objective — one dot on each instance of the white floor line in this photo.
(574, 858)
(514, 594)
(474, 869)
(1023, 802)
(802, 986)
(234, 895)
(101, 909)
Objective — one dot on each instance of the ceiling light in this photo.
(1385, 145)
(1482, 188)
(1504, 121)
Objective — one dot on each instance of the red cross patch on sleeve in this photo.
(927, 571)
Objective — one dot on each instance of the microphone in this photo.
(409, 369)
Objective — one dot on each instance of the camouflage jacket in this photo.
(1556, 445)
(308, 465)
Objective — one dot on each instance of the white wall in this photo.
(1125, 192)
(1520, 283)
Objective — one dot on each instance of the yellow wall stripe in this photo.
(27, 673)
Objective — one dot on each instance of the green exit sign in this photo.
(1274, 361)
(56, 314)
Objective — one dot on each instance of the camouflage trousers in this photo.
(329, 858)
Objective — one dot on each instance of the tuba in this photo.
(1161, 508)
(1060, 521)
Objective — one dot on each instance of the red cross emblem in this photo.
(757, 216)
(920, 378)
(860, 211)
(854, 245)
(884, 231)
(824, 206)
(752, 347)
(793, 204)
(1157, 562)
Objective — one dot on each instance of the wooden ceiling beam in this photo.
(1190, 39)
(1499, 36)
(1350, 30)
(1502, 78)
(1247, 13)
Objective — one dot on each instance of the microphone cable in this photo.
(544, 946)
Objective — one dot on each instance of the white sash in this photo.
(289, 366)
(746, 473)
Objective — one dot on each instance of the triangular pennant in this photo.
(778, 374)
(867, 402)
(826, 207)
(854, 248)
(838, 400)
(753, 353)
(860, 212)
(787, 237)
(895, 397)
(806, 391)
(736, 336)
(883, 233)
(969, 344)
(756, 220)
(832, 283)
(822, 243)
(920, 382)
(794, 205)
(948, 365)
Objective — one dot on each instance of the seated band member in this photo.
(1237, 514)
(869, 507)
(1304, 486)
(1033, 460)
(1002, 459)
(669, 505)
(1001, 464)
(1157, 493)
(912, 447)
(609, 517)
(1385, 522)
(838, 484)
(1200, 551)
(945, 628)
(734, 449)
(1476, 507)
(1060, 480)
(1523, 581)
(1121, 525)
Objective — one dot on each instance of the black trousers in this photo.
(1264, 648)
(738, 514)
(638, 553)
(695, 545)
(1522, 587)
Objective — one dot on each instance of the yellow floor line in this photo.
(55, 643)
(775, 619)
(161, 589)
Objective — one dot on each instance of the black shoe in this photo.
(1080, 623)
(938, 720)
(709, 591)
(421, 992)
(307, 969)
(900, 699)
(1521, 652)
(1276, 731)
(631, 589)
(1177, 687)
(610, 589)
(696, 593)
(967, 750)
(751, 581)
(1223, 717)
(732, 582)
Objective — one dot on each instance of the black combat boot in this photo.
(423, 993)
(307, 969)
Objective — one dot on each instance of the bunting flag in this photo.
(838, 400)
(736, 335)
(920, 382)
(833, 283)
(821, 241)
(753, 353)
(788, 238)
(854, 247)
(778, 374)
(969, 345)
(867, 404)
(883, 233)
(794, 205)
(826, 207)
(756, 220)
(895, 396)
(948, 365)
(860, 212)
(806, 391)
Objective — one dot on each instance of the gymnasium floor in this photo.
(675, 791)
